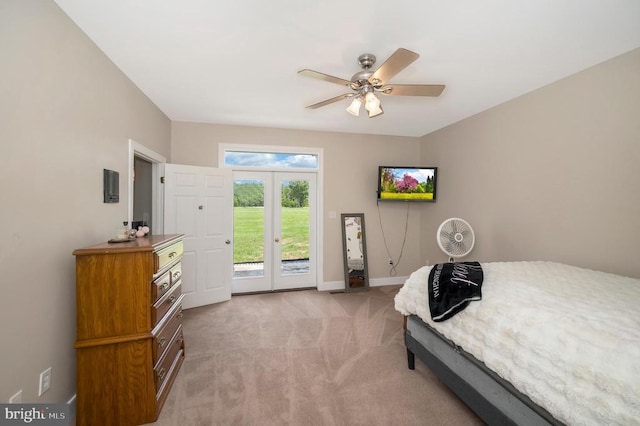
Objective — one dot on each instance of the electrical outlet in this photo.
(45, 381)
(17, 398)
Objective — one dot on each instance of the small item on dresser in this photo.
(122, 234)
(121, 240)
(142, 231)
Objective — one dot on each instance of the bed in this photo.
(548, 344)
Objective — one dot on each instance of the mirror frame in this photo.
(354, 280)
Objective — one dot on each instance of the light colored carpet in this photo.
(305, 358)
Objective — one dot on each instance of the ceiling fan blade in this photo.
(412, 89)
(325, 77)
(400, 59)
(332, 100)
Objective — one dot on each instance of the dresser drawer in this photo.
(160, 286)
(162, 305)
(163, 369)
(176, 273)
(170, 377)
(168, 255)
(166, 329)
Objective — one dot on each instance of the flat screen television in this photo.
(396, 183)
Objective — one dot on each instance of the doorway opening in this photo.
(142, 193)
(146, 195)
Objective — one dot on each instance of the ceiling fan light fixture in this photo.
(376, 111)
(354, 107)
(372, 104)
(371, 101)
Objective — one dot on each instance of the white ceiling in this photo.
(236, 61)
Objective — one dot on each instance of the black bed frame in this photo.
(492, 398)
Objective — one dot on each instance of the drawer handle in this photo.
(164, 287)
(179, 341)
(180, 315)
(176, 275)
(162, 373)
(162, 342)
(172, 254)
(171, 299)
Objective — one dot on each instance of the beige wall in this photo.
(552, 175)
(67, 112)
(350, 176)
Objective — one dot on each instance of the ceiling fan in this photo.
(366, 84)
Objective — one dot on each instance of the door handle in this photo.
(200, 207)
(277, 240)
(228, 242)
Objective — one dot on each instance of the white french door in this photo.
(294, 228)
(275, 231)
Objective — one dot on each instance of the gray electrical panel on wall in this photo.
(111, 186)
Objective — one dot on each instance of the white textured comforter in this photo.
(567, 337)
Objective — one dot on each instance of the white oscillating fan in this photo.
(455, 237)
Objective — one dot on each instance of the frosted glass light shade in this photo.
(354, 108)
(371, 102)
(375, 112)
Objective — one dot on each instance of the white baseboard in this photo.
(331, 286)
(379, 282)
(374, 282)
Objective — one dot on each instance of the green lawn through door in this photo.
(248, 233)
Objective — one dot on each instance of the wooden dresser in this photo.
(129, 344)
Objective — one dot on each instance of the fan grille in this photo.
(455, 237)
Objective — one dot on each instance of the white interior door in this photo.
(275, 231)
(199, 204)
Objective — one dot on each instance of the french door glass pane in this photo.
(248, 228)
(295, 227)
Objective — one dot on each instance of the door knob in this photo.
(227, 242)
(200, 207)
(277, 240)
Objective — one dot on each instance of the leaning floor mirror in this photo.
(354, 244)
